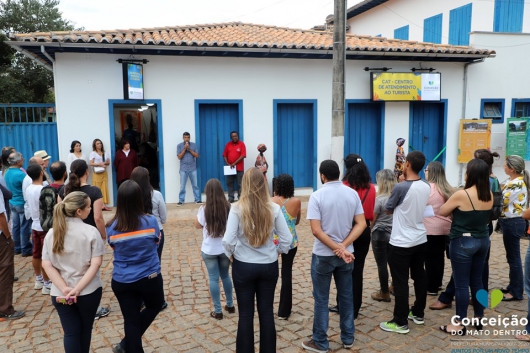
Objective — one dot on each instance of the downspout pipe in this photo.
(464, 106)
(52, 60)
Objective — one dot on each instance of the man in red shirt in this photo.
(234, 153)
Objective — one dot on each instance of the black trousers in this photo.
(361, 246)
(230, 179)
(7, 273)
(130, 297)
(77, 321)
(435, 261)
(401, 261)
(286, 293)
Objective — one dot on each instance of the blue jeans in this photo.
(468, 255)
(527, 284)
(322, 268)
(217, 265)
(77, 321)
(193, 179)
(512, 230)
(21, 231)
(255, 281)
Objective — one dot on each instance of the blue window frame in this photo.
(460, 25)
(402, 33)
(432, 29)
(492, 108)
(520, 107)
(508, 16)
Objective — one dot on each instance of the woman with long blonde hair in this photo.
(71, 256)
(381, 229)
(249, 241)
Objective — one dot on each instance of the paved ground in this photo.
(186, 326)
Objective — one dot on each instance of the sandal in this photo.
(509, 299)
(504, 290)
(461, 332)
(216, 315)
(524, 338)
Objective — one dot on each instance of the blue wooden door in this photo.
(427, 130)
(216, 121)
(294, 152)
(364, 134)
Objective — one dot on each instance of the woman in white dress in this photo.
(75, 152)
(99, 161)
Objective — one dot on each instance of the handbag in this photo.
(496, 209)
(99, 170)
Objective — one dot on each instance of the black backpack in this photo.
(496, 210)
(47, 201)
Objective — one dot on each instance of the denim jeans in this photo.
(512, 230)
(255, 281)
(322, 268)
(130, 297)
(527, 284)
(401, 261)
(193, 179)
(217, 266)
(286, 293)
(230, 179)
(21, 231)
(467, 260)
(380, 239)
(77, 321)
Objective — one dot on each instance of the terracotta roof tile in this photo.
(242, 35)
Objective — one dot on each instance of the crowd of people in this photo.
(411, 223)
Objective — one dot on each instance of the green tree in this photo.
(21, 79)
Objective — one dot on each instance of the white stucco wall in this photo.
(86, 82)
(385, 18)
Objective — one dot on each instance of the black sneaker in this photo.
(118, 349)
(102, 312)
(199, 202)
(15, 315)
(179, 204)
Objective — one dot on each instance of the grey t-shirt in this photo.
(188, 163)
(334, 205)
(408, 201)
(384, 220)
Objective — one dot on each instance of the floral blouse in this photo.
(291, 223)
(514, 196)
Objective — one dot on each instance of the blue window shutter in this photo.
(432, 29)
(402, 33)
(460, 25)
(508, 16)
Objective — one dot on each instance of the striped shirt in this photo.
(135, 255)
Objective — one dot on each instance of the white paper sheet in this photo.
(229, 171)
(429, 212)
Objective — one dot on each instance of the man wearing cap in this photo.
(46, 159)
(14, 178)
(188, 153)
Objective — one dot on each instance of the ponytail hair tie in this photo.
(359, 160)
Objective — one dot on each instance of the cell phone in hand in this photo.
(65, 300)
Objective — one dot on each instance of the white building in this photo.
(496, 89)
(271, 84)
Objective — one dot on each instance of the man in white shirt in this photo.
(42, 281)
(331, 211)
(25, 183)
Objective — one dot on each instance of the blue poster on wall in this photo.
(133, 85)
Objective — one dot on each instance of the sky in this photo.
(119, 14)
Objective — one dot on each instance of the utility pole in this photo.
(338, 88)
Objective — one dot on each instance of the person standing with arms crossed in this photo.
(188, 153)
(234, 153)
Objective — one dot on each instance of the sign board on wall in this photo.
(474, 134)
(405, 86)
(133, 81)
(516, 137)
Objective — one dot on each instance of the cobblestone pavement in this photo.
(185, 326)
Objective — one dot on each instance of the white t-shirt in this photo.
(25, 183)
(97, 158)
(210, 245)
(33, 195)
(408, 201)
(335, 205)
(72, 157)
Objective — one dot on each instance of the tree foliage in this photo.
(21, 79)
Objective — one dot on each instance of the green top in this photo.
(473, 222)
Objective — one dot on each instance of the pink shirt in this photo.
(436, 225)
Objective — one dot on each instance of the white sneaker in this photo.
(38, 284)
(47, 289)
